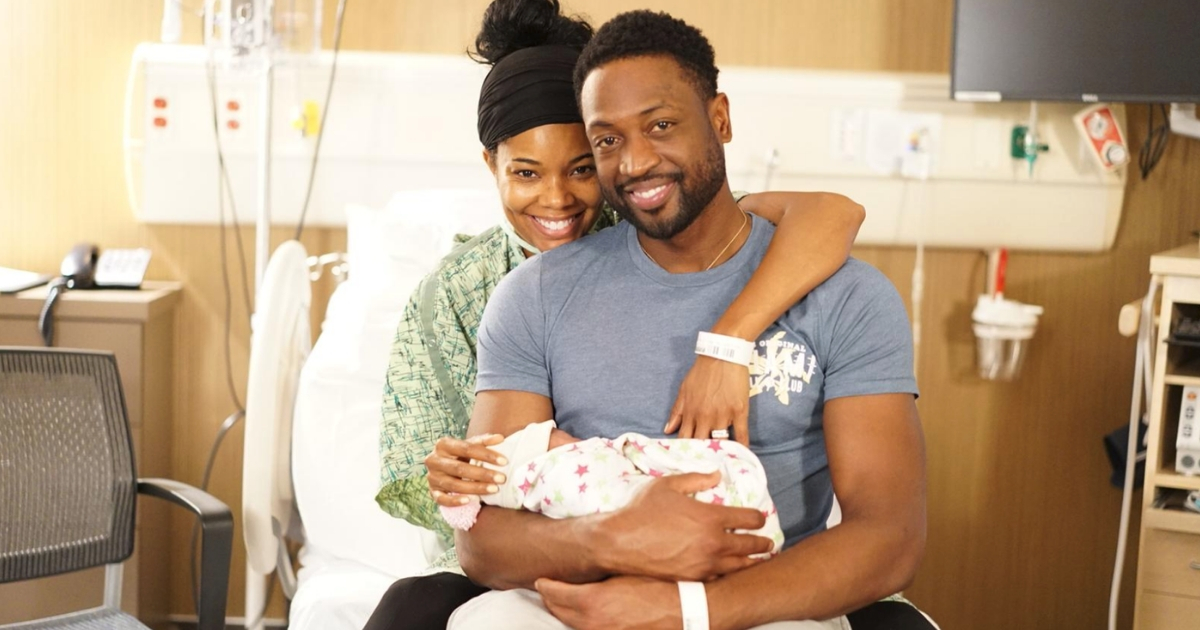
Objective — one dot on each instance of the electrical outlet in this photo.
(1185, 120)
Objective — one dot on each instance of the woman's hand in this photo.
(451, 474)
(714, 395)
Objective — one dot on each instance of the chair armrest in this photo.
(216, 526)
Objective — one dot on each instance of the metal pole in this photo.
(262, 249)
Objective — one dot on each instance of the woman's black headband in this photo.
(529, 88)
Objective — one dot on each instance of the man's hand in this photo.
(664, 533)
(714, 395)
(619, 603)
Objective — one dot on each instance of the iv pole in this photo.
(262, 227)
(256, 584)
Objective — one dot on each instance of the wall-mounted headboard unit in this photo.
(407, 121)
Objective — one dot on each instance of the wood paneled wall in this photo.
(1022, 519)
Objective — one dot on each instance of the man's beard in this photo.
(696, 191)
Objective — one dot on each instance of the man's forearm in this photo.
(512, 548)
(829, 574)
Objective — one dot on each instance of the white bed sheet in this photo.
(353, 551)
(336, 594)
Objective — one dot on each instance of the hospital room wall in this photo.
(62, 67)
(1022, 521)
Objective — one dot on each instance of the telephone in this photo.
(86, 268)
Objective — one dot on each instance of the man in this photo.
(598, 335)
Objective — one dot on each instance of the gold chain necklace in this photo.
(745, 220)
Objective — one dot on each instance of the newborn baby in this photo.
(602, 475)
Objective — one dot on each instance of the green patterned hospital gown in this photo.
(429, 390)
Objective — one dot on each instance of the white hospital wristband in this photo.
(694, 602)
(724, 348)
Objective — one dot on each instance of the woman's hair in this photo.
(512, 25)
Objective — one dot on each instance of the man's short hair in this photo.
(647, 33)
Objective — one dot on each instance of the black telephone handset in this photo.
(78, 269)
(85, 268)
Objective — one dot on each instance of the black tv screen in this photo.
(1077, 50)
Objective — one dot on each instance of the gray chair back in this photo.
(67, 480)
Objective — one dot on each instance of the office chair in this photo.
(68, 488)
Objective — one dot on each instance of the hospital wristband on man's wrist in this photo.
(693, 601)
(725, 348)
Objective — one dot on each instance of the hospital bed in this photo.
(352, 551)
(322, 489)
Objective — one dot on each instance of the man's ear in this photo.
(489, 158)
(718, 114)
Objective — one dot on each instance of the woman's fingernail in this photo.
(492, 489)
(462, 500)
(498, 478)
(501, 461)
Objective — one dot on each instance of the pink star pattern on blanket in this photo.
(599, 475)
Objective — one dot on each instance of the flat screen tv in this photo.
(1077, 50)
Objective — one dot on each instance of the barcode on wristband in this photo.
(724, 348)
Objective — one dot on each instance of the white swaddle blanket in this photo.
(603, 475)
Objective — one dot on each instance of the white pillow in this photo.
(415, 228)
(335, 435)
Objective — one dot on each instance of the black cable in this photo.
(229, 423)
(222, 187)
(225, 189)
(312, 170)
(46, 317)
(1156, 141)
(208, 466)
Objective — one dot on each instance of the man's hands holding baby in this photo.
(664, 533)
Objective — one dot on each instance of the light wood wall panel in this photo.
(1022, 519)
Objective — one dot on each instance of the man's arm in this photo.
(813, 236)
(877, 462)
(511, 548)
(663, 533)
(811, 242)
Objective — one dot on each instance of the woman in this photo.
(535, 147)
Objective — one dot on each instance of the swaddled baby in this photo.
(603, 475)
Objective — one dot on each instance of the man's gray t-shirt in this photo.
(608, 336)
